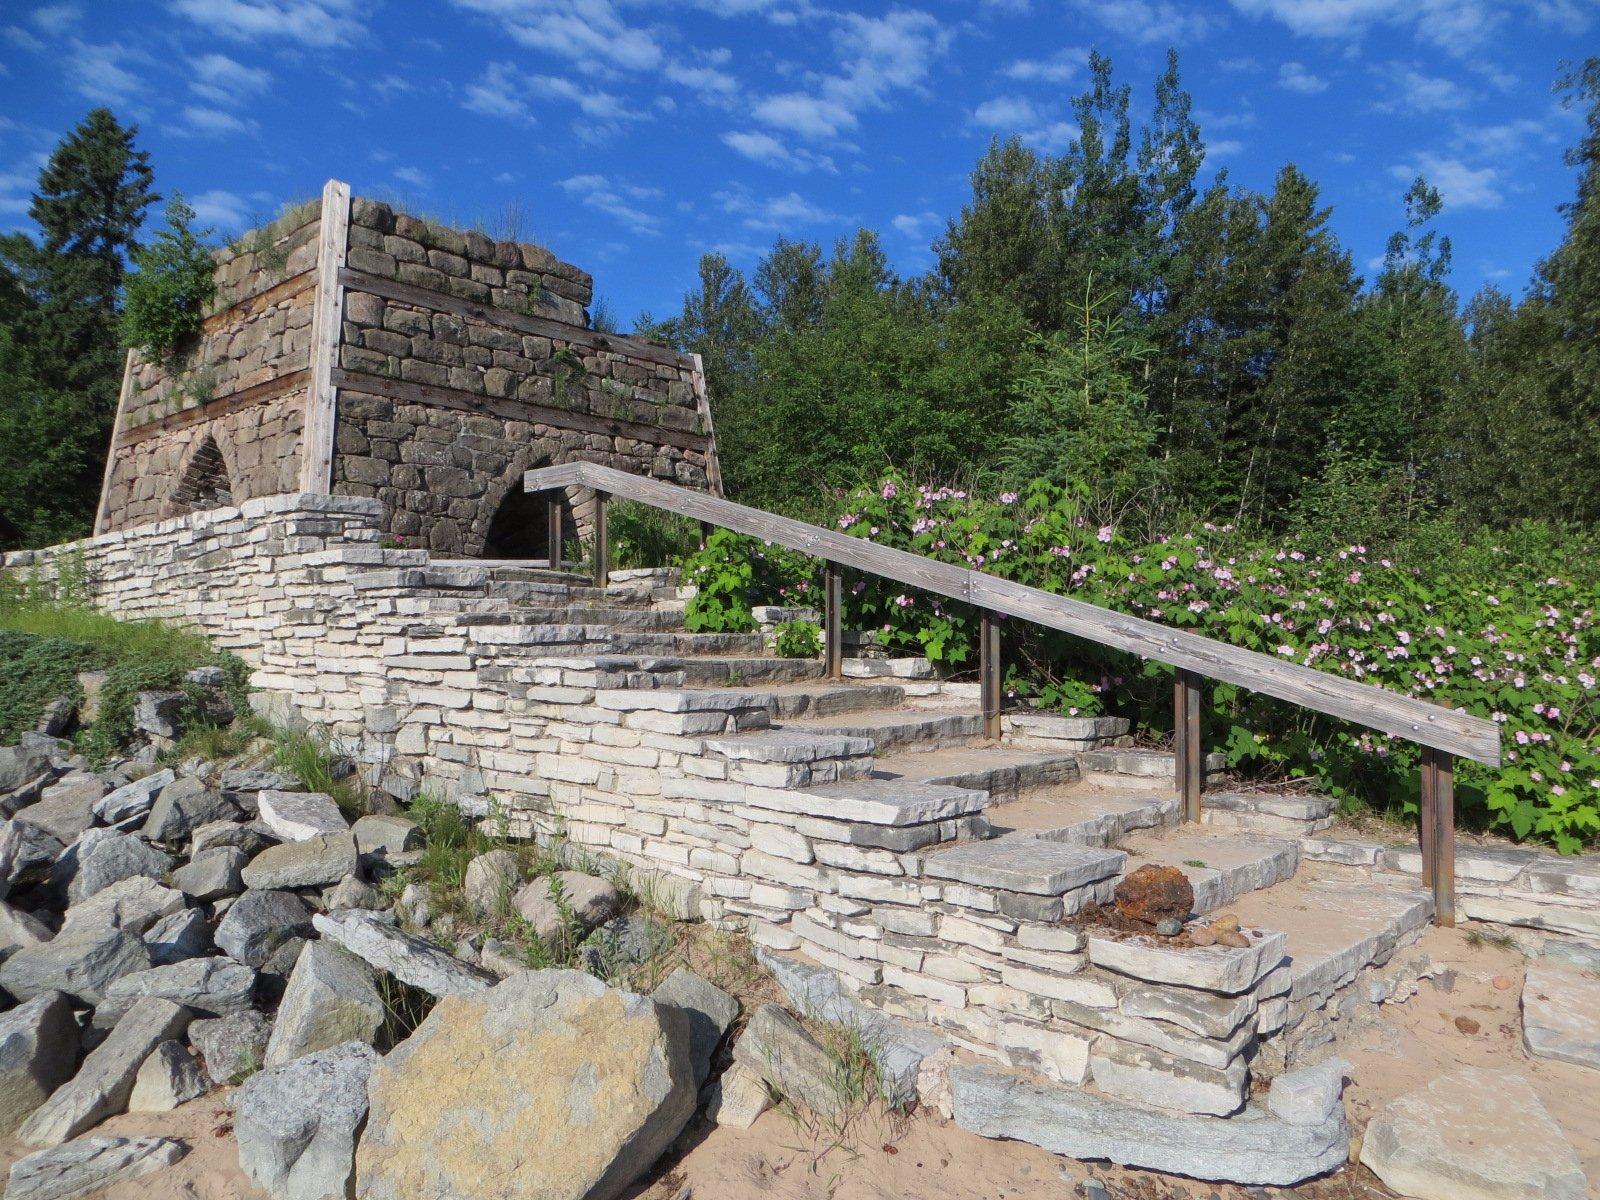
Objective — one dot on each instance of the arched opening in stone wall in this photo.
(205, 483)
(519, 528)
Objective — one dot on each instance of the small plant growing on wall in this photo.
(168, 294)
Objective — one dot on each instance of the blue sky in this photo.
(631, 136)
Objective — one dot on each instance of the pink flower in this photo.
(1105, 533)
(1008, 497)
(890, 491)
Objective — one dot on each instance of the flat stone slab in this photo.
(1561, 1013)
(788, 746)
(89, 1165)
(1024, 864)
(1219, 868)
(879, 801)
(1472, 1135)
(409, 959)
(1225, 969)
(300, 816)
(1253, 1148)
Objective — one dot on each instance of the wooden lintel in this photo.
(222, 406)
(276, 294)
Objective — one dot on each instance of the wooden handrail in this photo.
(1406, 717)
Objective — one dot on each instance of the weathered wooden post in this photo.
(832, 621)
(1439, 832)
(552, 529)
(1187, 752)
(989, 674)
(602, 549)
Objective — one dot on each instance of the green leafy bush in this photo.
(642, 536)
(799, 639)
(1502, 628)
(166, 297)
(733, 572)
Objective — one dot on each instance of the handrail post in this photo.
(602, 549)
(1187, 753)
(552, 527)
(705, 533)
(832, 621)
(989, 674)
(1439, 832)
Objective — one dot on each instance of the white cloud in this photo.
(415, 176)
(764, 148)
(53, 20)
(1412, 92)
(315, 23)
(775, 212)
(1150, 21)
(1018, 115)
(1223, 148)
(498, 94)
(1296, 78)
(221, 80)
(1503, 140)
(97, 73)
(588, 34)
(1061, 67)
(1457, 26)
(1460, 184)
(877, 57)
(616, 199)
(917, 226)
(225, 210)
(602, 106)
(200, 121)
(708, 81)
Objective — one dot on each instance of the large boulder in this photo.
(409, 959)
(133, 904)
(168, 1078)
(312, 862)
(183, 806)
(89, 1165)
(598, 1079)
(296, 816)
(207, 987)
(27, 855)
(181, 936)
(777, 1048)
(709, 1010)
(130, 804)
(331, 998)
(1472, 1135)
(104, 1082)
(296, 1125)
(83, 965)
(113, 858)
(19, 929)
(490, 881)
(258, 923)
(20, 765)
(212, 874)
(546, 902)
(233, 1047)
(38, 1049)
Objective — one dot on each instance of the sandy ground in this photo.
(1465, 1015)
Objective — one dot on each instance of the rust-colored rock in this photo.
(1153, 892)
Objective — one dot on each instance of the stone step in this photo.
(549, 592)
(1335, 927)
(1137, 768)
(789, 702)
(1023, 864)
(1002, 772)
(1274, 814)
(1083, 816)
(654, 619)
(603, 639)
(887, 668)
(1220, 868)
(901, 730)
(899, 803)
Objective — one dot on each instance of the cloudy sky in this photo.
(633, 135)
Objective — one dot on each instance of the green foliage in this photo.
(732, 572)
(166, 298)
(799, 639)
(310, 757)
(642, 536)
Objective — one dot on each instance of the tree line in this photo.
(1183, 352)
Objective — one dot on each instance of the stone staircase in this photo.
(869, 825)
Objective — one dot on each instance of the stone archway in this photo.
(205, 482)
(513, 525)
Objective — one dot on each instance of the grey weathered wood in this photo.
(1187, 752)
(327, 317)
(703, 404)
(989, 674)
(602, 541)
(577, 335)
(1439, 833)
(552, 531)
(1360, 703)
(516, 410)
(129, 361)
(832, 621)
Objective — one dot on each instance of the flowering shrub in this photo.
(731, 573)
(1504, 640)
(798, 639)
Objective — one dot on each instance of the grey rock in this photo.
(313, 862)
(709, 1009)
(589, 900)
(159, 715)
(1203, 1013)
(415, 906)
(38, 1049)
(183, 806)
(114, 858)
(738, 1098)
(409, 959)
(19, 929)
(103, 1083)
(624, 942)
(386, 836)
(242, 782)
(1572, 954)
(181, 936)
(249, 836)
(27, 854)
(133, 904)
(1253, 1148)
(1164, 1080)
(233, 1047)
(352, 892)
(168, 1078)
(212, 874)
(259, 922)
(297, 1124)
(296, 816)
(490, 881)
(792, 1062)
(58, 717)
(1023, 864)
(19, 766)
(1561, 1013)
(1223, 969)
(275, 972)
(331, 998)
(89, 1165)
(1310, 1095)
(207, 987)
(82, 965)
(1472, 1133)
(130, 804)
